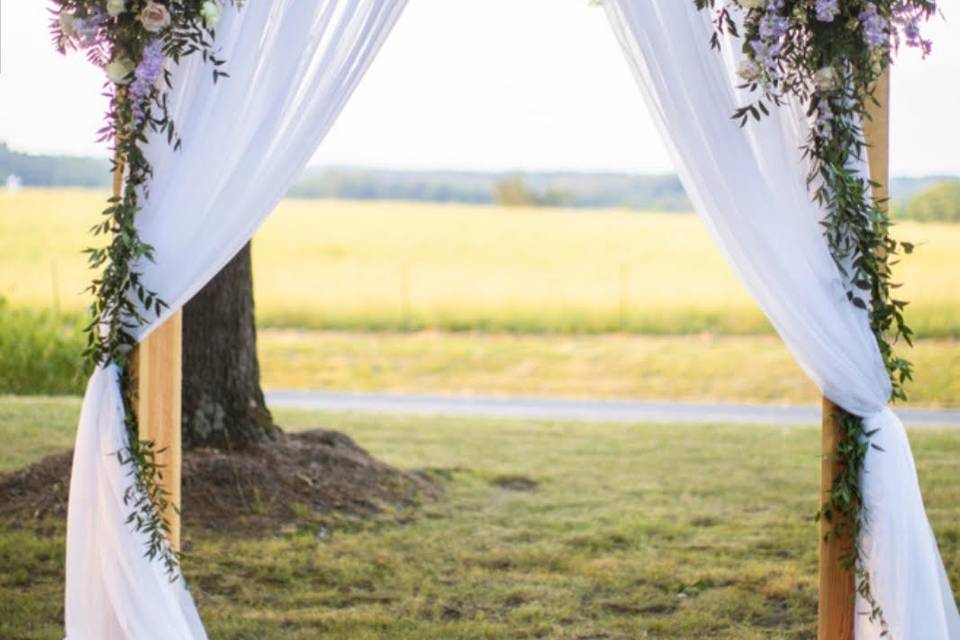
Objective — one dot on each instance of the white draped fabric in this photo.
(749, 187)
(292, 64)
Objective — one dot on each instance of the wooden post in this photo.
(157, 366)
(837, 586)
(159, 378)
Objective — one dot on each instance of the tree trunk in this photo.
(223, 404)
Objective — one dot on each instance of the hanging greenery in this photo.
(134, 42)
(829, 55)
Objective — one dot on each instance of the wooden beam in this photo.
(837, 586)
(877, 132)
(159, 378)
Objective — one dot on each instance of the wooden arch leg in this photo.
(158, 367)
(837, 586)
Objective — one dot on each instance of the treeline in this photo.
(565, 189)
(557, 189)
(53, 171)
(927, 198)
(937, 203)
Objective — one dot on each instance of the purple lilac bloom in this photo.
(770, 31)
(827, 10)
(874, 26)
(772, 25)
(88, 29)
(145, 77)
(824, 120)
(907, 18)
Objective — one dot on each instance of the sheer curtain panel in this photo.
(293, 65)
(749, 187)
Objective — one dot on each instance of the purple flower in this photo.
(824, 122)
(827, 10)
(907, 18)
(768, 45)
(145, 78)
(874, 26)
(87, 30)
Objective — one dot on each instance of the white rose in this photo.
(211, 14)
(155, 17)
(116, 7)
(119, 70)
(748, 71)
(825, 79)
(68, 24)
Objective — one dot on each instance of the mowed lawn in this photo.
(622, 532)
(375, 265)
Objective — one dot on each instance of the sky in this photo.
(478, 85)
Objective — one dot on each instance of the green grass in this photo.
(32, 427)
(704, 368)
(683, 368)
(393, 266)
(40, 352)
(634, 531)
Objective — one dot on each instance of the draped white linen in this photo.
(292, 65)
(749, 187)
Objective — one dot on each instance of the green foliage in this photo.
(939, 203)
(137, 111)
(40, 352)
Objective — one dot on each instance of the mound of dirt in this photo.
(297, 477)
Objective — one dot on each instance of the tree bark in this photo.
(223, 404)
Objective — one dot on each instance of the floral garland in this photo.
(829, 55)
(133, 41)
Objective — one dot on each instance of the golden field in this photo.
(382, 265)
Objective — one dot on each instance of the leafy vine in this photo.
(829, 55)
(135, 42)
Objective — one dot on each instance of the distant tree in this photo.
(939, 203)
(513, 192)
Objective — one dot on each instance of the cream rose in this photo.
(211, 14)
(825, 79)
(155, 17)
(748, 71)
(119, 70)
(116, 7)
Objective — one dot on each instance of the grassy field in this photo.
(622, 366)
(373, 266)
(630, 531)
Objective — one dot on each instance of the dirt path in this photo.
(589, 410)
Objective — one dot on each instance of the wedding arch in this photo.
(200, 162)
